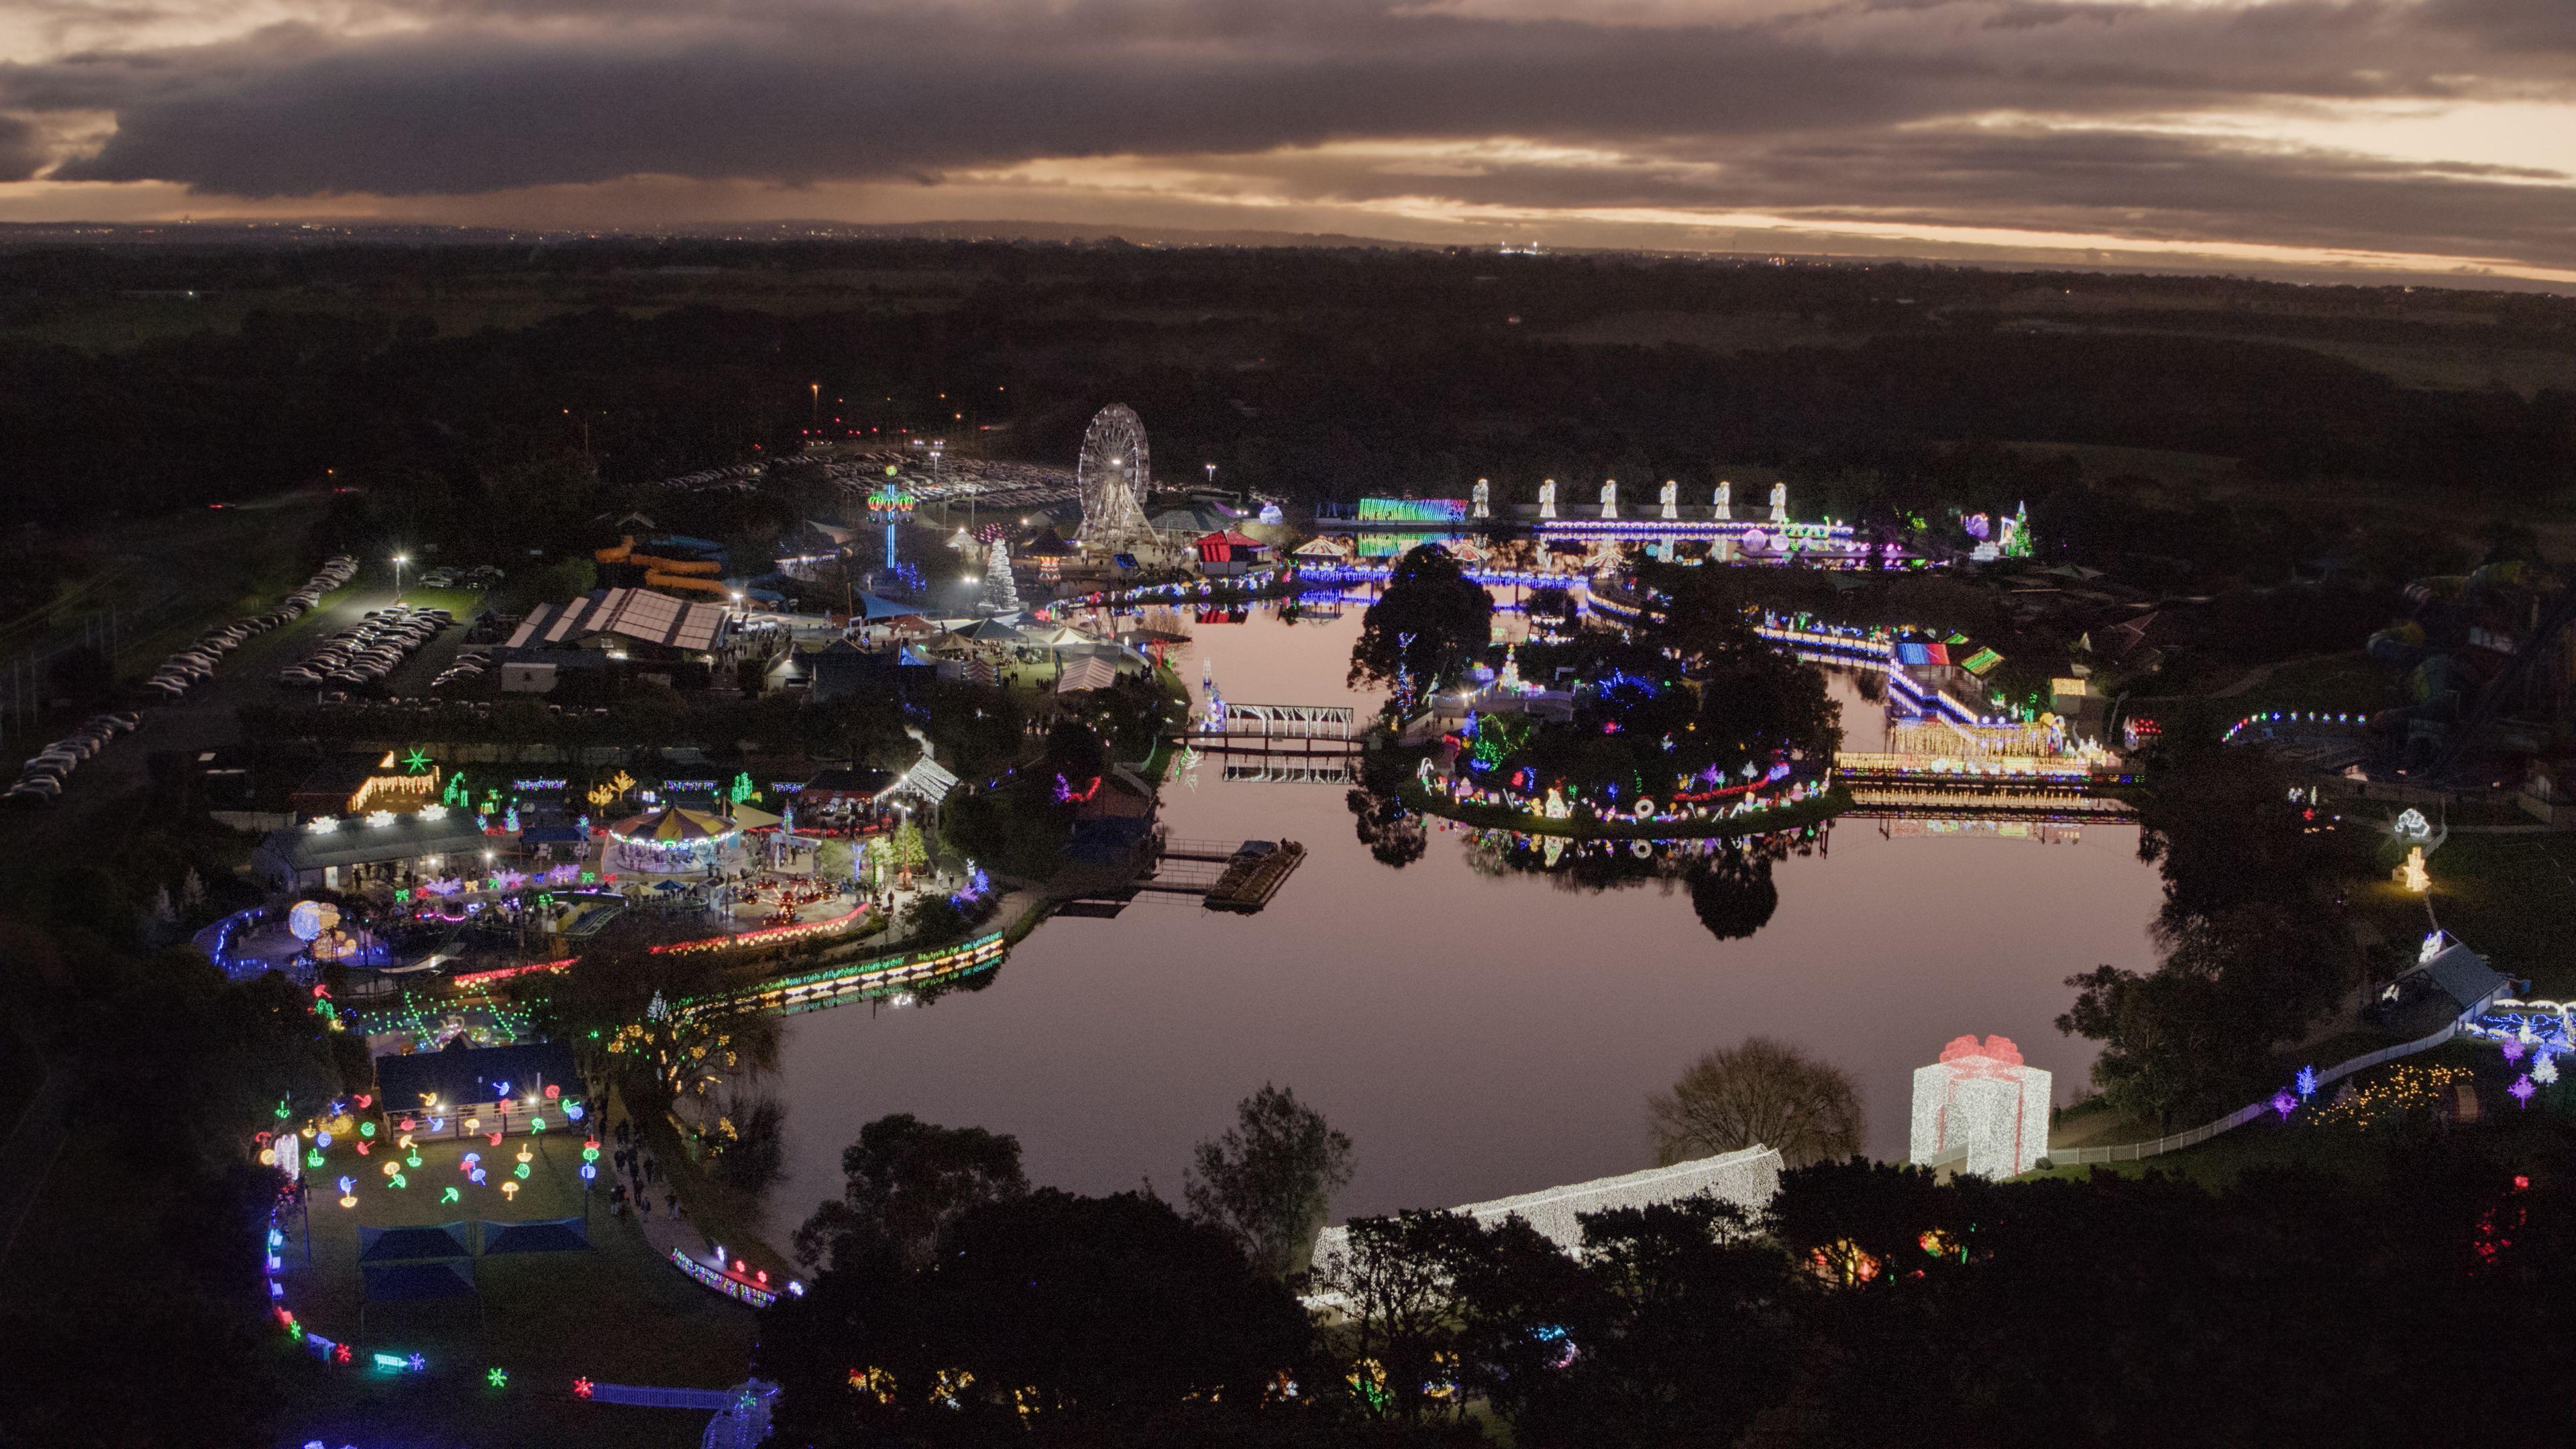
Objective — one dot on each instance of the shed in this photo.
(2448, 983)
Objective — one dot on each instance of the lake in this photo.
(1475, 1034)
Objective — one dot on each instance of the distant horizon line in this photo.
(366, 230)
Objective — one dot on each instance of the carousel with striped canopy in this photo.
(675, 841)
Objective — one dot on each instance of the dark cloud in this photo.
(22, 149)
(1857, 109)
(2545, 25)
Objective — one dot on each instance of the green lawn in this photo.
(2338, 682)
(617, 1313)
(2512, 898)
(2272, 1142)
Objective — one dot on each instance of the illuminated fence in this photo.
(731, 1285)
(2132, 1151)
(505, 973)
(1872, 765)
(1837, 644)
(822, 988)
(767, 935)
(2056, 805)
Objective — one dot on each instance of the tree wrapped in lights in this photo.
(1427, 626)
(665, 1025)
(906, 848)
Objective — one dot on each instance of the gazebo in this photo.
(673, 841)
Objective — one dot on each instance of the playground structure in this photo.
(686, 575)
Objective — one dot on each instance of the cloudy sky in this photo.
(2429, 135)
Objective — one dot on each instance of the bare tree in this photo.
(1764, 1093)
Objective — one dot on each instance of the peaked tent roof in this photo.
(1085, 674)
(672, 823)
(926, 780)
(872, 608)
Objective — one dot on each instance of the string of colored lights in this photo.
(2293, 716)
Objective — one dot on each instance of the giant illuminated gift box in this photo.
(1981, 1100)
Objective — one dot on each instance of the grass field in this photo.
(616, 1313)
(2270, 1142)
(2513, 899)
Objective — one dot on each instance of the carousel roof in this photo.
(673, 825)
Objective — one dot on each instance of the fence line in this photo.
(643, 1396)
(2133, 1151)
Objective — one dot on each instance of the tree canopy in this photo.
(1760, 1092)
(1270, 1179)
(1427, 627)
(904, 1181)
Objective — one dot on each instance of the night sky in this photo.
(2430, 135)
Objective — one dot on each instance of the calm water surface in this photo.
(1475, 1035)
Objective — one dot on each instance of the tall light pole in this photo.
(399, 561)
(817, 389)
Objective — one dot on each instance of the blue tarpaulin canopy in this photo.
(547, 1235)
(873, 608)
(412, 1282)
(379, 1245)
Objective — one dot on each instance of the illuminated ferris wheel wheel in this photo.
(1112, 478)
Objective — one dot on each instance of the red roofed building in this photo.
(1227, 553)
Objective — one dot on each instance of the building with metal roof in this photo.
(343, 853)
(611, 617)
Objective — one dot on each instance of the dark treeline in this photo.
(1315, 374)
(1869, 1306)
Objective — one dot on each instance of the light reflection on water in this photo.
(1475, 1034)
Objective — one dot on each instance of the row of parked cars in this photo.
(482, 576)
(369, 650)
(41, 778)
(471, 665)
(190, 666)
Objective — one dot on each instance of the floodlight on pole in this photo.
(399, 561)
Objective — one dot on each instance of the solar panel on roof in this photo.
(698, 627)
(528, 626)
(648, 616)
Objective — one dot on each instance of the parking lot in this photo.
(204, 717)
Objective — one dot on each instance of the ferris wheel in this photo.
(1112, 477)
